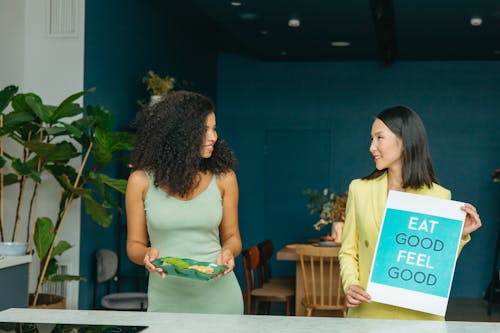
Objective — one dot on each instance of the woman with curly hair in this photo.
(182, 201)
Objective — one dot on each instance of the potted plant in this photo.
(158, 86)
(52, 138)
(331, 209)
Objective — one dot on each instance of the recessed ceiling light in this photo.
(264, 32)
(248, 16)
(340, 43)
(283, 53)
(235, 3)
(294, 23)
(476, 21)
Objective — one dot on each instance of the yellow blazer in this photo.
(364, 212)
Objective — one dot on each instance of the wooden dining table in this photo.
(288, 253)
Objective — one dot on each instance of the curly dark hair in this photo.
(168, 140)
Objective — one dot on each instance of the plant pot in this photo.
(13, 248)
(48, 301)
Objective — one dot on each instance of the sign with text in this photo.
(416, 252)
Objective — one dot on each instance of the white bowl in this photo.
(13, 248)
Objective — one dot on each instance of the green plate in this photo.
(178, 268)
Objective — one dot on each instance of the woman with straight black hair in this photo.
(402, 163)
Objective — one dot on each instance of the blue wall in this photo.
(281, 117)
(123, 40)
(295, 125)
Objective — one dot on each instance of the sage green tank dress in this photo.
(189, 229)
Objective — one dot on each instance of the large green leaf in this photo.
(73, 131)
(38, 109)
(102, 149)
(84, 124)
(27, 131)
(60, 152)
(65, 278)
(44, 236)
(52, 267)
(60, 248)
(102, 116)
(10, 179)
(26, 169)
(64, 174)
(97, 212)
(14, 119)
(106, 143)
(19, 102)
(110, 201)
(56, 130)
(6, 96)
(119, 185)
(123, 141)
(68, 108)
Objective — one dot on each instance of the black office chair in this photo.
(106, 269)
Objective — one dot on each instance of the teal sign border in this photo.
(437, 250)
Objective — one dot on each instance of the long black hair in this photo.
(417, 165)
(168, 140)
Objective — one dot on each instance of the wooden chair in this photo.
(321, 277)
(266, 279)
(254, 295)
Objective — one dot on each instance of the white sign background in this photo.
(387, 292)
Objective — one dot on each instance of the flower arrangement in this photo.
(158, 86)
(330, 206)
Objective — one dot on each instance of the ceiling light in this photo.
(476, 21)
(283, 53)
(248, 16)
(235, 3)
(264, 32)
(294, 23)
(340, 43)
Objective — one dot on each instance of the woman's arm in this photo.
(229, 230)
(472, 220)
(137, 232)
(349, 256)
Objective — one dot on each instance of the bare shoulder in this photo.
(226, 177)
(138, 181)
(227, 181)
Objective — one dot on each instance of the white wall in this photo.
(51, 67)
(11, 42)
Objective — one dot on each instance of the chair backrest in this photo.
(106, 271)
(251, 259)
(106, 265)
(321, 278)
(266, 249)
(105, 268)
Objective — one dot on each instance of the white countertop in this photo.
(9, 261)
(204, 323)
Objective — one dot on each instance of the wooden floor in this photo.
(471, 309)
